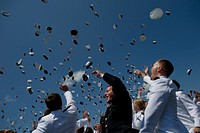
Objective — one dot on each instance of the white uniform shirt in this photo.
(196, 102)
(187, 111)
(161, 111)
(83, 122)
(137, 120)
(59, 121)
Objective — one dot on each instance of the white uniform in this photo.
(59, 121)
(196, 102)
(137, 120)
(82, 122)
(161, 112)
(187, 111)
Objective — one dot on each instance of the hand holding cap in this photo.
(139, 73)
(64, 87)
(98, 73)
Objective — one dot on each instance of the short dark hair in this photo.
(53, 102)
(88, 130)
(167, 66)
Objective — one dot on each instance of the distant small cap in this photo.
(85, 77)
(156, 13)
(5, 13)
(74, 32)
(88, 64)
(45, 1)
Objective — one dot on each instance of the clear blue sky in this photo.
(177, 36)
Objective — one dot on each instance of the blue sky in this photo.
(177, 36)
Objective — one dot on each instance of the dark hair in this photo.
(167, 66)
(53, 102)
(80, 130)
(88, 130)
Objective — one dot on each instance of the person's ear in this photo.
(159, 69)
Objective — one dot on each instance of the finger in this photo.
(94, 72)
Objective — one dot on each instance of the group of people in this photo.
(168, 109)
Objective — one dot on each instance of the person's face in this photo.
(136, 107)
(109, 94)
(98, 127)
(85, 113)
(154, 70)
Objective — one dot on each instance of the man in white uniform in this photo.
(58, 121)
(83, 122)
(161, 111)
(187, 111)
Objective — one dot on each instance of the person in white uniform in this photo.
(138, 113)
(161, 111)
(187, 111)
(196, 99)
(58, 121)
(84, 122)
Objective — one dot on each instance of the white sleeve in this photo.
(82, 122)
(71, 104)
(148, 80)
(156, 105)
(42, 127)
(192, 108)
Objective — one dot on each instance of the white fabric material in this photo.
(187, 111)
(82, 122)
(161, 112)
(58, 121)
(196, 102)
(137, 120)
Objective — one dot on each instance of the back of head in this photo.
(80, 130)
(89, 130)
(53, 102)
(167, 66)
(140, 102)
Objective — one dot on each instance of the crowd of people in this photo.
(167, 109)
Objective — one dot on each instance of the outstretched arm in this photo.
(71, 104)
(118, 87)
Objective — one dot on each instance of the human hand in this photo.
(146, 70)
(139, 92)
(98, 73)
(64, 87)
(191, 91)
(34, 125)
(196, 129)
(139, 73)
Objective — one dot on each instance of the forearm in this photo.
(71, 104)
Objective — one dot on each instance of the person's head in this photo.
(88, 130)
(98, 127)
(109, 95)
(139, 104)
(85, 113)
(53, 102)
(80, 130)
(162, 68)
(7, 131)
